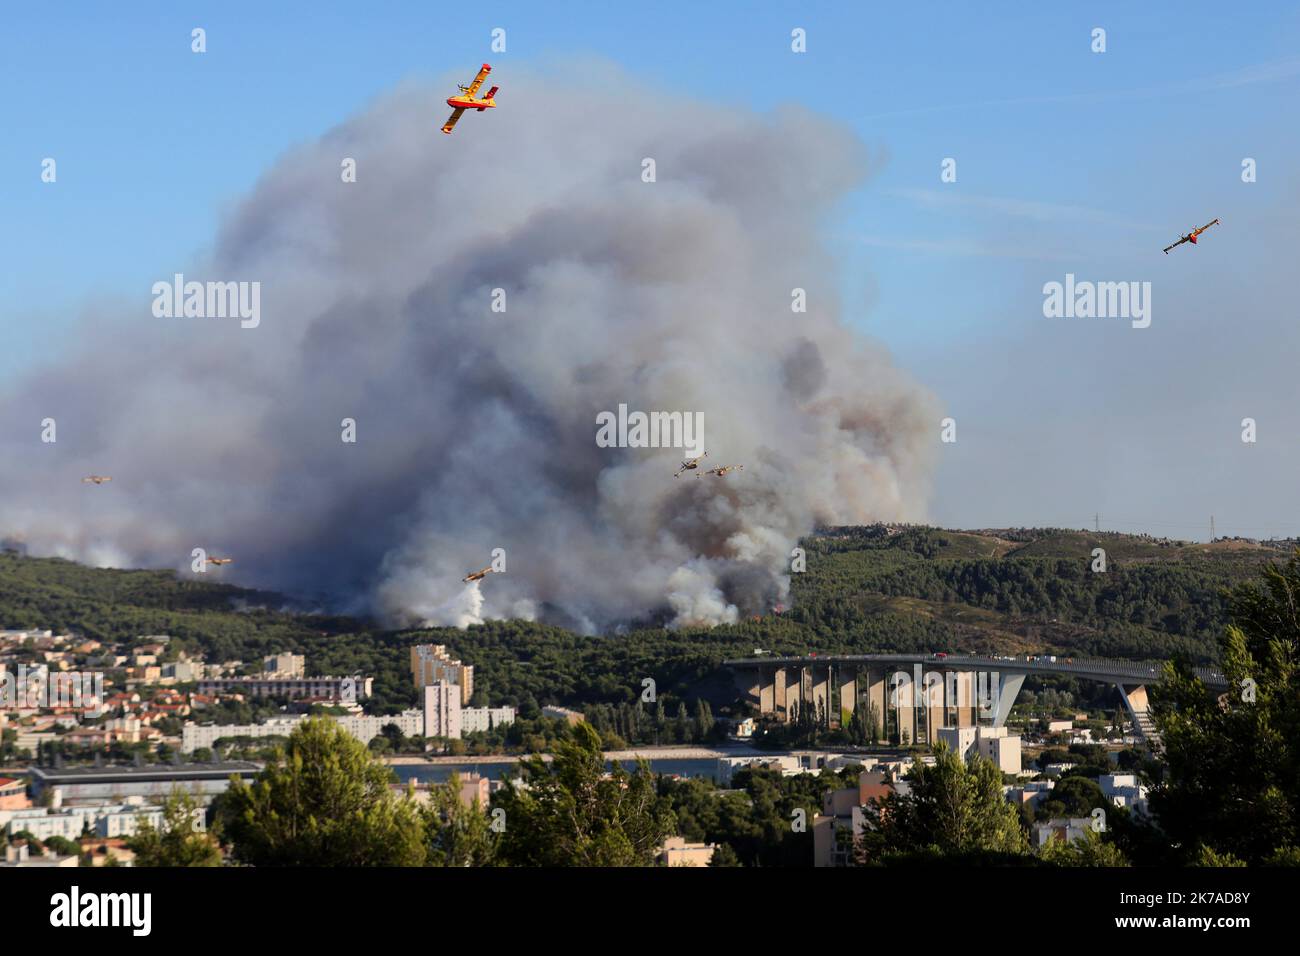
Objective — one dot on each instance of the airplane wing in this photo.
(455, 115)
(478, 80)
(1207, 226)
(1178, 243)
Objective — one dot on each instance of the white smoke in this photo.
(476, 429)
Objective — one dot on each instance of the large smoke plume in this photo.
(476, 429)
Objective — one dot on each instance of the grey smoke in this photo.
(476, 429)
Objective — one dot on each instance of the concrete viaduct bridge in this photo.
(916, 694)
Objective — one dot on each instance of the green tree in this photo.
(456, 835)
(724, 855)
(1073, 796)
(181, 840)
(951, 809)
(574, 813)
(1233, 781)
(1089, 850)
(62, 846)
(322, 800)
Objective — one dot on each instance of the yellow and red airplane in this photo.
(1191, 236)
(96, 479)
(477, 575)
(722, 471)
(690, 464)
(468, 101)
(220, 561)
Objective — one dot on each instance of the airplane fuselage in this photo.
(471, 103)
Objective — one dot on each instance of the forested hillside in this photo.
(865, 590)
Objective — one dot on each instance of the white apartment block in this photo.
(1066, 830)
(995, 744)
(104, 820)
(195, 736)
(485, 718)
(1124, 790)
(285, 665)
(992, 743)
(960, 740)
(441, 716)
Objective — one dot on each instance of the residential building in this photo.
(842, 821)
(960, 740)
(195, 736)
(485, 718)
(290, 666)
(475, 786)
(677, 852)
(13, 793)
(1067, 830)
(106, 820)
(20, 856)
(183, 672)
(1030, 793)
(333, 689)
(89, 785)
(442, 716)
(431, 664)
(1001, 747)
(563, 713)
(787, 765)
(1124, 790)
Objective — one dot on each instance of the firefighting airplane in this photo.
(721, 471)
(97, 479)
(468, 101)
(220, 561)
(1191, 236)
(690, 464)
(477, 575)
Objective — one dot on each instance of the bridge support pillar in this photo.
(903, 698)
(1007, 690)
(875, 699)
(1139, 709)
(794, 696)
(765, 691)
(959, 690)
(848, 696)
(819, 693)
(934, 704)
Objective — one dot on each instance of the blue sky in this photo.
(1068, 160)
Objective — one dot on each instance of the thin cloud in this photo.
(1272, 72)
(1019, 208)
(959, 247)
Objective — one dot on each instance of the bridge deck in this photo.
(1098, 669)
